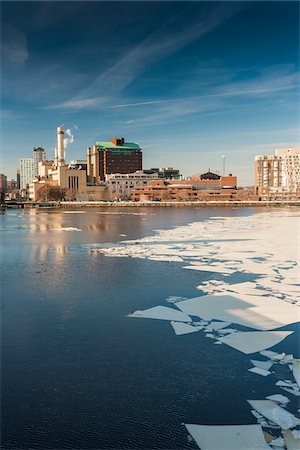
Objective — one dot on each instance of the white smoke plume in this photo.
(69, 138)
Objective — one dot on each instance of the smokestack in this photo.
(55, 156)
(60, 147)
(89, 162)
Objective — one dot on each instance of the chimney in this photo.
(60, 147)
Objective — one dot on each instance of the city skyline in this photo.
(189, 82)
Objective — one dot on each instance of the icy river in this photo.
(153, 328)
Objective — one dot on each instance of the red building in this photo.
(221, 189)
(116, 156)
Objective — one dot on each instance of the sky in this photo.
(189, 81)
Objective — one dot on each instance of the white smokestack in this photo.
(60, 147)
(55, 156)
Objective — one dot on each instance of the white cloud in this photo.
(165, 41)
(14, 46)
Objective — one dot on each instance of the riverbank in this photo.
(182, 204)
(195, 204)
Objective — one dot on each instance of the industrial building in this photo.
(57, 173)
(116, 156)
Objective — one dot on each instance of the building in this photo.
(57, 173)
(120, 185)
(39, 154)
(222, 189)
(277, 176)
(291, 165)
(18, 178)
(79, 164)
(116, 156)
(26, 172)
(165, 173)
(3, 183)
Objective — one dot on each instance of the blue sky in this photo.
(189, 81)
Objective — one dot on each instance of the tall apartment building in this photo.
(26, 172)
(116, 156)
(3, 183)
(291, 166)
(18, 177)
(278, 174)
(39, 154)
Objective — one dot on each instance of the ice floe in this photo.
(266, 365)
(250, 312)
(228, 437)
(296, 370)
(162, 313)
(184, 328)
(260, 371)
(258, 247)
(254, 341)
(291, 440)
(271, 411)
(66, 229)
(279, 398)
(277, 443)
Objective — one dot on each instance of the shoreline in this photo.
(182, 204)
(128, 204)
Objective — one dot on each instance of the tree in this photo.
(50, 193)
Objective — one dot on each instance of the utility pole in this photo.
(223, 165)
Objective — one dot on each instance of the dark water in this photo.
(76, 372)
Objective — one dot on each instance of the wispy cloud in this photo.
(165, 41)
(77, 104)
(14, 46)
(270, 87)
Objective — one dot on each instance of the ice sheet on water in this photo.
(271, 411)
(233, 437)
(166, 258)
(66, 229)
(296, 370)
(74, 212)
(291, 441)
(268, 353)
(162, 313)
(215, 326)
(227, 331)
(278, 442)
(212, 269)
(184, 328)
(266, 365)
(249, 312)
(260, 371)
(279, 398)
(209, 335)
(254, 341)
(293, 391)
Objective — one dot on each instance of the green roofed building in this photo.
(116, 156)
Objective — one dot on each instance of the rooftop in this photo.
(125, 146)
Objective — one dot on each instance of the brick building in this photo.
(221, 189)
(116, 156)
